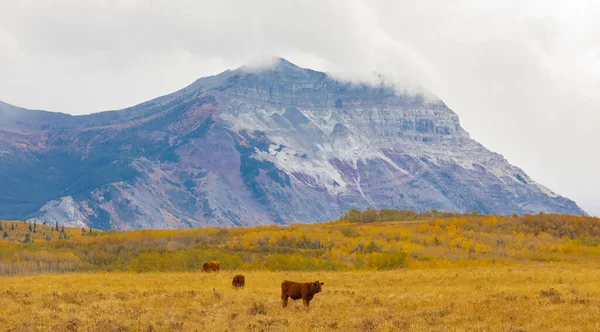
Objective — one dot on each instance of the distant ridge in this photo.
(254, 146)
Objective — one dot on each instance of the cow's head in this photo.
(316, 286)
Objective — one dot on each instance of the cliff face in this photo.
(250, 147)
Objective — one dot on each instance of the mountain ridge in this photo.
(255, 146)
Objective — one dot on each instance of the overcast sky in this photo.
(524, 76)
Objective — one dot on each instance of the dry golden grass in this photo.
(541, 297)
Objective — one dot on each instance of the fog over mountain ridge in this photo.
(252, 147)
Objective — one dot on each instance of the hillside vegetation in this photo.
(369, 240)
(382, 271)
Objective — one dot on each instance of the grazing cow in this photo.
(298, 290)
(238, 281)
(212, 266)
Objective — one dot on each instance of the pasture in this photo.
(382, 270)
(531, 297)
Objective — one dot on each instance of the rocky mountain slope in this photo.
(250, 147)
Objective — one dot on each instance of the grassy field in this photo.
(532, 297)
(383, 271)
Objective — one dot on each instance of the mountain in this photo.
(254, 146)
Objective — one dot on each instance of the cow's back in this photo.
(212, 266)
(292, 289)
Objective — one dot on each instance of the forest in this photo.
(359, 240)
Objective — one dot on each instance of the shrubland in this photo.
(359, 241)
(382, 271)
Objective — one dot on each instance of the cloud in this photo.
(132, 44)
(523, 76)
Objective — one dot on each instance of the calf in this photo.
(238, 281)
(212, 266)
(299, 290)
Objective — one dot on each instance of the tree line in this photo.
(358, 240)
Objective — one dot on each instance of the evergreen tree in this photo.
(372, 247)
(12, 227)
(57, 226)
(5, 234)
(82, 231)
(1, 227)
(27, 238)
(30, 227)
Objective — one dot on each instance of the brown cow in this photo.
(298, 290)
(239, 281)
(212, 266)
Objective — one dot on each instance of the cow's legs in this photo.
(306, 301)
(284, 298)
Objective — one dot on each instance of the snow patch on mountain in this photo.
(65, 211)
